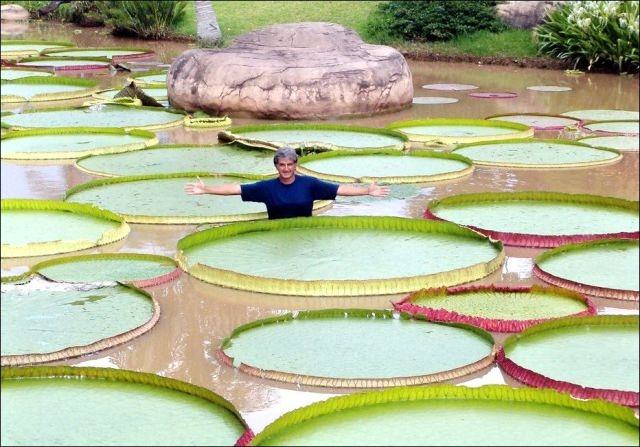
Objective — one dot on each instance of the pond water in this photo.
(197, 316)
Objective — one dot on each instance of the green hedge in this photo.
(423, 21)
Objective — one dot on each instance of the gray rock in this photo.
(525, 14)
(309, 70)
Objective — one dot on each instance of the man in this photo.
(290, 194)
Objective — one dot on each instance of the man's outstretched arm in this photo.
(226, 189)
(371, 189)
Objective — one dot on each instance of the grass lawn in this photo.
(239, 17)
(187, 26)
(512, 43)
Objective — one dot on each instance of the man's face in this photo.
(286, 168)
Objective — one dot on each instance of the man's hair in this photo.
(285, 152)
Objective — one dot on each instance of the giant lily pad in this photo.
(394, 204)
(606, 268)
(115, 53)
(618, 142)
(97, 404)
(142, 270)
(338, 255)
(450, 87)
(65, 63)
(44, 227)
(181, 158)
(375, 349)
(432, 100)
(603, 114)
(447, 131)
(495, 308)
(149, 77)
(589, 357)
(42, 88)
(9, 74)
(109, 115)
(454, 415)
(538, 121)
(493, 95)
(549, 88)
(314, 137)
(161, 199)
(614, 127)
(43, 321)
(385, 166)
(535, 153)
(12, 49)
(540, 219)
(72, 142)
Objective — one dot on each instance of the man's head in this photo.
(286, 161)
(285, 152)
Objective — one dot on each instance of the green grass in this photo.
(514, 43)
(239, 17)
(187, 26)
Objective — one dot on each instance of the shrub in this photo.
(592, 33)
(433, 20)
(143, 18)
(84, 13)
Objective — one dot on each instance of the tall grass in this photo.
(143, 18)
(592, 33)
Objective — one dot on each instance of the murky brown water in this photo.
(196, 316)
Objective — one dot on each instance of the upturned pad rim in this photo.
(538, 380)
(56, 247)
(93, 347)
(228, 278)
(441, 391)
(361, 382)
(537, 240)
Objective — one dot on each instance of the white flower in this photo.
(584, 23)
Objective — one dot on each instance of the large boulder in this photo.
(13, 12)
(525, 14)
(292, 71)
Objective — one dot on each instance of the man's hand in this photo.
(195, 188)
(377, 190)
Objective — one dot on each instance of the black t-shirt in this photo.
(293, 200)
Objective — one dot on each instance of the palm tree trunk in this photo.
(207, 28)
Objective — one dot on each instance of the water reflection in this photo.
(14, 29)
(196, 317)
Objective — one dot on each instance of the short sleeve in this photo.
(253, 192)
(322, 190)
